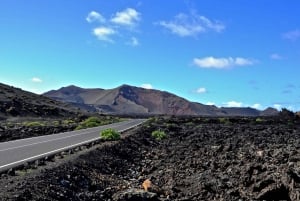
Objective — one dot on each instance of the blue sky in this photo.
(227, 53)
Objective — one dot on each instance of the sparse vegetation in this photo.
(224, 120)
(259, 120)
(34, 124)
(56, 123)
(207, 149)
(171, 125)
(96, 121)
(159, 135)
(189, 124)
(68, 121)
(110, 134)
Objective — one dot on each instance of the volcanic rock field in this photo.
(201, 159)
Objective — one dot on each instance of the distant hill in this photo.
(269, 112)
(15, 102)
(245, 111)
(135, 100)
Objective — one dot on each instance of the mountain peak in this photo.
(269, 111)
(127, 99)
(71, 89)
(126, 86)
(72, 86)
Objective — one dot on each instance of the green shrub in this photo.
(189, 124)
(159, 135)
(89, 123)
(56, 123)
(171, 125)
(110, 134)
(96, 121)
(68, 121)
(259, 120)
(34, 124)
(224, 120)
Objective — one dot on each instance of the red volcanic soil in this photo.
(201, 159)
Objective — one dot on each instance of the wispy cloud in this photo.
(291, 86)
(276, 56)
(192, 24)
(147, 86)
(221, 63)
(290, 105)
(201, 90)
(127, 17)
(292, 35)
(256, 106)
(36, 80)
(94, 16)
(104, 33)
(277, 106)
(288, 89)
(210, 103)
(233, 104)
(120, 25)
(133, 42)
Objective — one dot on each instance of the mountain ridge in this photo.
(127, 99)
(15, 102)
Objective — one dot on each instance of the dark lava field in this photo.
(201, 159)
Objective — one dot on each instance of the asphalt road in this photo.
(17, 152)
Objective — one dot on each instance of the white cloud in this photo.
(201, 90)
(119, 26)
(233, 104)
(36, 80)
(104, 33)
(181, 29)
(292, 35)
(256, 106)
(277, 106)
(94, 16)
(210, 103)
(185, 25)
(221, 63)
(147, 86)
(276, 56)
(238, 61)
(127, 17)
(134, 42)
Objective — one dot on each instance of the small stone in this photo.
(260, 153)
(147, 184)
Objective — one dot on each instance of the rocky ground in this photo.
(20, 128)
(201, 159)
(24, 128)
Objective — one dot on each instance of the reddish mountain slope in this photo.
(135, 100)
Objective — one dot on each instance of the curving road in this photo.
(15, 153)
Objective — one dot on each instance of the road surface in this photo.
(18, 152)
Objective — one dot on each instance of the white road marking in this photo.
(57, 134)
(58, 150)
(69, 136)
(41, 142)
(48, 153)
